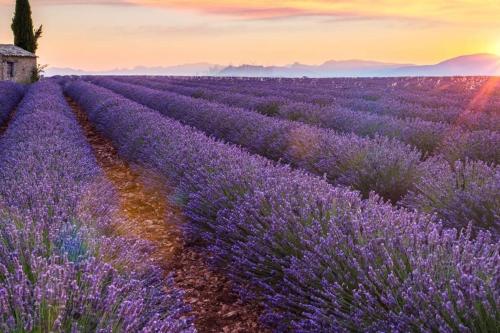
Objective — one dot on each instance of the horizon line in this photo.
(273, 65)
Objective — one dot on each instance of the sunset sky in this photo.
(98, 35)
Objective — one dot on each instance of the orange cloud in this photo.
(460, 11)
(473, 11)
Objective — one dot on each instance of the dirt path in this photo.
(5, 125)
(148, 215)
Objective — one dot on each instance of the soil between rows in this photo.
(145, 213)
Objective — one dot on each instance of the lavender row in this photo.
(10, 95)
(319, 257)
(471, 103)
(430, 137)
(381, 165)
(61, 268)
(430, 92)
(389, 168)
(272, 99)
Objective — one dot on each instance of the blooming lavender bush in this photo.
(61, 268)
(470, 103)
(42, 292)
(319, 257)
(381, 165)
(476, 145)
(438, 138)
(427, 136)
(470, 193)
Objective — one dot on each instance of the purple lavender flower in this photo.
(319, 257)
(372, 111)
(384, 166)
(59, 270)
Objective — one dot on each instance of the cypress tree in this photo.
(22, 25)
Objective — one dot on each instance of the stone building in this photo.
(16, 64)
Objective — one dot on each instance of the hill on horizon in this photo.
(467, 65)
(475, 64)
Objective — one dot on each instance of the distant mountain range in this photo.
(477, 64)
(187, 69)
(328, 69)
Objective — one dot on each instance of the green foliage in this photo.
(269, 108)
(25, 36)
(37, 72)
(38, 34)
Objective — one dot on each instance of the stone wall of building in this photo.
(23, 68)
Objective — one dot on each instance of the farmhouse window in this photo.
(10, 69)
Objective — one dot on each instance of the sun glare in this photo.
(496, 48)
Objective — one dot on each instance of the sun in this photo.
(496, 48)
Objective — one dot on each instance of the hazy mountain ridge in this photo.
(477, 64)
(185, 69)
(327, 69)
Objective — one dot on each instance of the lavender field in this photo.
(219, 204)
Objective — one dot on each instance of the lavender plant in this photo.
(429, 137)
(382, 165)
(61, 269)
(470, 103)
(319, 257)
(470, 193)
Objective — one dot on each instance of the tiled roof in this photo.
(14, 51)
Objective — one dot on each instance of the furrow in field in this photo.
(10, 96)
(5, 124)
(146, 214)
